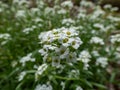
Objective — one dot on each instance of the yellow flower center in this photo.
(68, 33)
(73, 42)
(65, 40)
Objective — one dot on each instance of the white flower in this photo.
(115, 38)
(21, 76)
(76, 42)
(71, 57)
(41, 69)
(113, 18)
(43, 51)
(79, 88)
(68, 21)
(70, 32)
(60, 45)
(62, 11)
(86, 3)
(5, 36)
(27, 30)
(27, 58)
(107, 6)
(100, 26)
(56, 61)
(84, 56)
(102, 61)
(63, 85)
(73, 73)
(20, 14)
(97, 40)
(68, 4)
(62, 52)
(49, 10)
(44, 87)
(95, 53)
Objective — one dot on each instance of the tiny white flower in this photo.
(22, 75)
(68, 4)
(102, 61)
(41, 69)
(79, 88)
(68, 21)
(27, 58)
(97, 40)
(115, 38)
(44, 87)
(20, 14)
(71, 57)
(84, 56)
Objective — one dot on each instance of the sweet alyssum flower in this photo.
(97, 40)
(115, 38)
(59, 45)
(27, 58)
(84, 57)
(102, 61)
(44, 87)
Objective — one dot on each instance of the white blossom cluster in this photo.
(102, 61)
(27, 58)
(97, 40)
(40, 70)
(5, 38)
(84, 56)
(44, 87)
(59, 45)
(115, 38)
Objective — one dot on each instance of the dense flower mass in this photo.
(60, 45)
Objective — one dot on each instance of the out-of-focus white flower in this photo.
(113, 18)
(100, 26)
(20, 14)
(14, 63)
(62, 11)
(95, 53)
(97, 40)
(107, 6)
(25, 3)
(86, 3)
(5, 38)
(68, 4)
(68, 21)
(71, 57)
(102, 61)
(22, 75)
(114, 9)
(62, 52)
(84, 56)
(81, 15)
(98, 12)
(49, 10)
(44, 87)
(115, 38)
(78, 88)
(41, 69)
(27, 30)
(74, 74)
(63, 85)
(27, 58)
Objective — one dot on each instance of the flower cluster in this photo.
(115, 38)
(59, 45)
